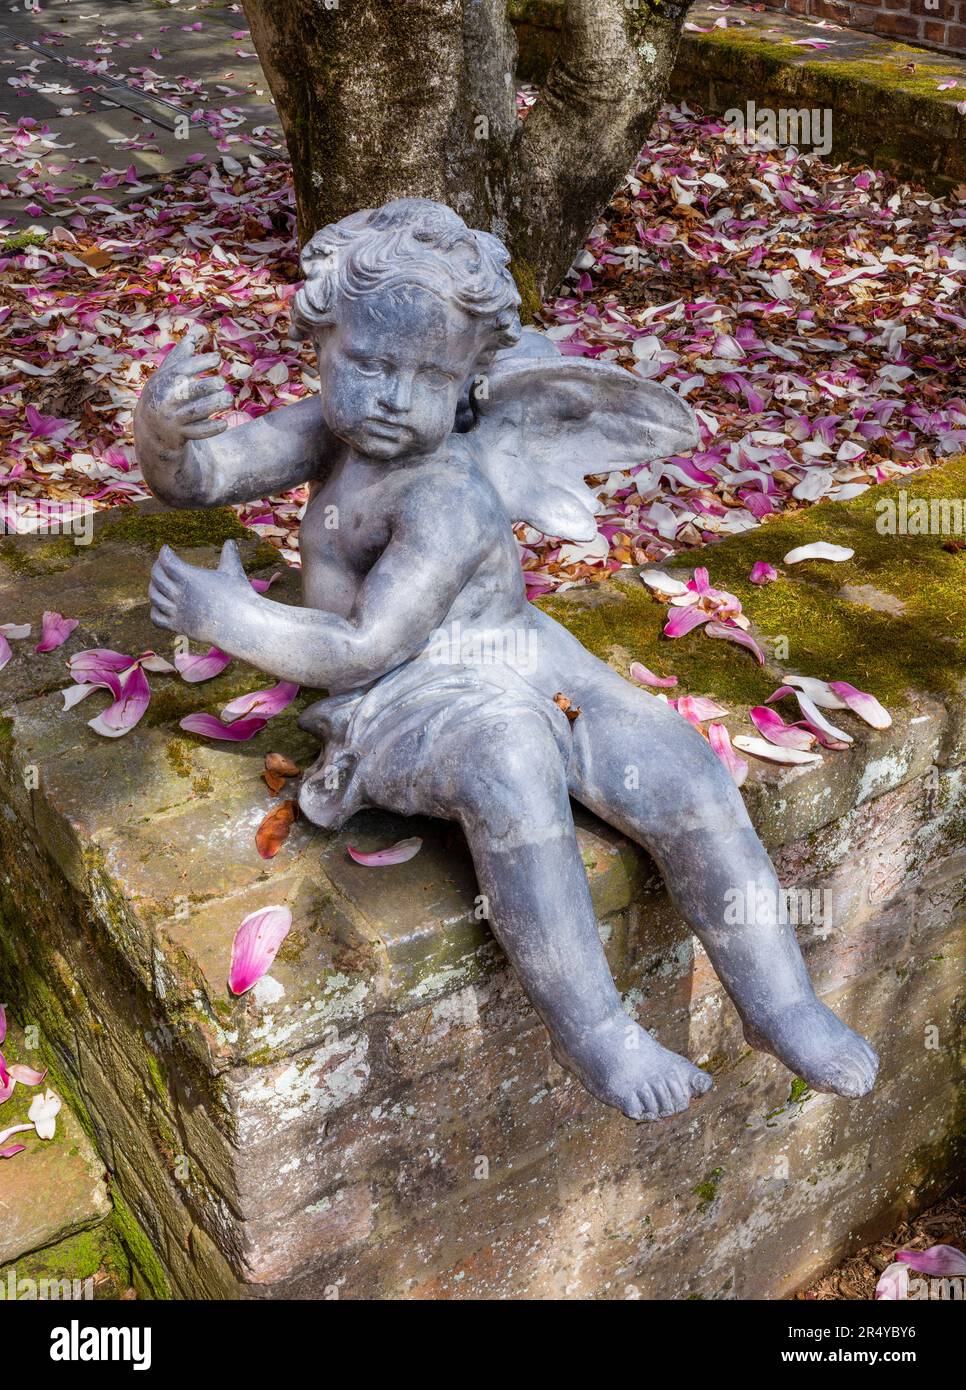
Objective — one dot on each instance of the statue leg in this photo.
(505, 783)
(640, 766)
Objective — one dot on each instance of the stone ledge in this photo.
(323, 1131)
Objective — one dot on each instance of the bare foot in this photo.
(819, 1048)
(623, 1066)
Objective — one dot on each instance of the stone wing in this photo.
(544, 423)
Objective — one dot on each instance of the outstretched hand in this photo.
(196, 602)
(179, 401)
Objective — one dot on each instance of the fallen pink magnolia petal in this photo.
(255, 946)
(893, 1282)
(720, 741)
(643, 676)
(4, 1073)
(396, 854)
(770, 752)
(730, 633)
(684, 620)
(662, 583)
(5, 1134)
(818, 550)
(264, 703)
(819, 692)
(43, 1111)
(9, 631)
(864, 705)
(770, 723)
(12, 1150)
(97, 660)
(815, 717)
(210, 726)
(120, 717)
(73, 694)
(943, 1260)
(150, 661)
(817, 722)
(762, 573)
(27, 1076)
(203, 666)
(696, 709)
(55, 631)
(826, 740)
(262, 586)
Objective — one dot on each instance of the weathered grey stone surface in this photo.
(381, 1116)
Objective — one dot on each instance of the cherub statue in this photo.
(438, 424)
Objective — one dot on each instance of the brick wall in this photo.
(932, 23)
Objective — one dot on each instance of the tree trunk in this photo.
(380, 99)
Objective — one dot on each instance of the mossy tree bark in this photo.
(380, 100)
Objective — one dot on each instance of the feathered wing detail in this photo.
(549, 421)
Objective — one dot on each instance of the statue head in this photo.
(405, 304)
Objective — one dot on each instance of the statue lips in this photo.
(386, 429)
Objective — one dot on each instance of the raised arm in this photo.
(190, 460)
(406, 595)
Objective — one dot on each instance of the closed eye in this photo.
(436, 378)
(369, 366)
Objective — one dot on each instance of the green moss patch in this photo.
(185, 529)
(920, 648)
(893, 66)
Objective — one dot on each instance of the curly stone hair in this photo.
(411, 242)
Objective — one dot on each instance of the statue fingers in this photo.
(170, 566)
(162, 586)
(192, 412)
(193, 366)
(162, 617)
(206, 429)
(230, 562)
(195, 388)
(161, 600)
(186, 345)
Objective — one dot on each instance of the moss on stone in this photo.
(144, 1261)
(29, 558)
(525, 279)
(799, 1090)
(178, 753)
(210, 526)
(77, 1257)
(180, 757)
(921, 648)
(890, 68)
(158, 1079)
(707, 1191)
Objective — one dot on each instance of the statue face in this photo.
(392, 368)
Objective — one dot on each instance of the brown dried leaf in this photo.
(277, 762)
(274, 829)
(95, 258)
(571, 710)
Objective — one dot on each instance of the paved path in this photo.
(114, 79)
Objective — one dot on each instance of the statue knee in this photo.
(513, 781)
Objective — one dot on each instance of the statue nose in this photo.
(398, 393)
